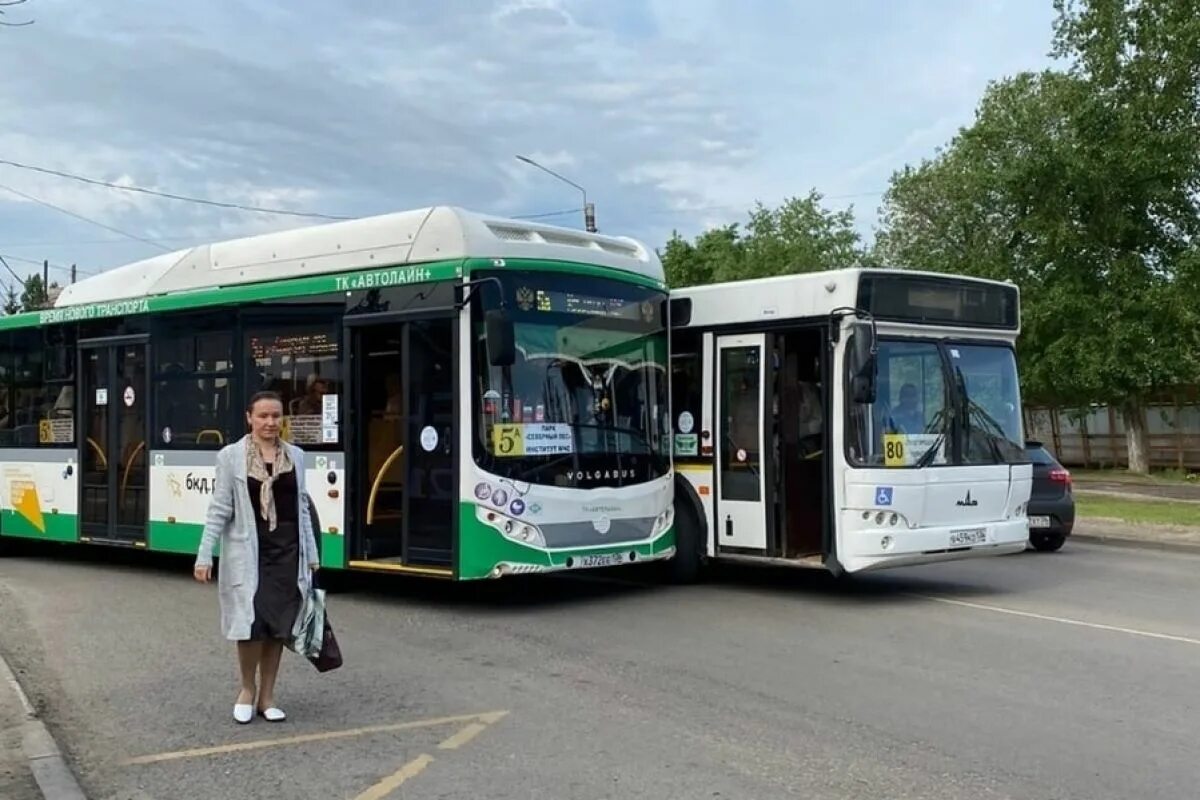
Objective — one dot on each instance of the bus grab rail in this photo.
(379, 480)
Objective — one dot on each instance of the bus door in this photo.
(405, 443)
(113, 400)
(741, 447)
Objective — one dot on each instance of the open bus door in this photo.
(405, 444)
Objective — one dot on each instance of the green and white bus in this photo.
(476, 396)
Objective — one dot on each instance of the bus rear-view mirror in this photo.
(862, 381)
(501, 338)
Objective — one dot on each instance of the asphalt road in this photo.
(1070, 675)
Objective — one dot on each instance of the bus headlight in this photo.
(510, 528)
(663, 521)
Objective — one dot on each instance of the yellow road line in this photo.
(241, 747)
(394, 781)
(463, 737)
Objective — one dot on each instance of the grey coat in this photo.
(231, 520)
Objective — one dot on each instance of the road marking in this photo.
(240, 747)
(394, 781)
(418, 764)
(1061, 620)
(463, 737)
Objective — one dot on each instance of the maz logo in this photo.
(969, 501)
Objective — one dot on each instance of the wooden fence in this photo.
(1095, 437)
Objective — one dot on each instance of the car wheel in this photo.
(1047, 542)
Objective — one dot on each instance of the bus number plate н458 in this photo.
(968, 537)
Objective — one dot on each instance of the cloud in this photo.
(673, 116)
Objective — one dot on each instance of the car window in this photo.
(1041, 455)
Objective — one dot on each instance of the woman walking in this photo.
(259, 514)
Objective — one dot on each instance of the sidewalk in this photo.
(31, 765)
(16, 778)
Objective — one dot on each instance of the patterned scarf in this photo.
(256, 468)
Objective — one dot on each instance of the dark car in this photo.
(1051, 504)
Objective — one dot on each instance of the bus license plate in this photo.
(600, 560)
(1039, 522)
(973, 536)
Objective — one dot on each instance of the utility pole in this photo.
(72, 273)
(589, 210)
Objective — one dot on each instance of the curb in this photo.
(1136, 544)
(54, 778)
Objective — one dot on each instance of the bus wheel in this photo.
(688, 561)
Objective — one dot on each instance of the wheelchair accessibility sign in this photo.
(883, 495)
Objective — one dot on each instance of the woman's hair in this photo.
(260, 396)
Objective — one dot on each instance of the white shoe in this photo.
(273, 714)
(243, 713)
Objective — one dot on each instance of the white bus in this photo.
(852, 420)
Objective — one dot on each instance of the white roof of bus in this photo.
(409, 237)
(796, 296)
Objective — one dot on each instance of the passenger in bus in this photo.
(907, 415)
(259, 514)
(310, 404)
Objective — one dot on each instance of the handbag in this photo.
(314, 638)
(329, 656)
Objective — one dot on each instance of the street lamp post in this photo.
(589, 211)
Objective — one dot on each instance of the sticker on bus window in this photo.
(905, 449)
(687, 444)
(512, 440)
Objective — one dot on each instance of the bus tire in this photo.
(688, 562)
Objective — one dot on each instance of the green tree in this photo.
(1081, 186)
(12, 303)
(799, 236)
(35, 295)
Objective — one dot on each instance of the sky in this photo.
(674, 116)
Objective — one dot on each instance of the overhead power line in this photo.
(12, 272)
(135, 237)
(53, 265)
(169, 195)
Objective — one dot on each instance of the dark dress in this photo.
(277, 600)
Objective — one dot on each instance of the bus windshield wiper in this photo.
(927, 457)
(987, 422)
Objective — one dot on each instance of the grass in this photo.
(1154, 512)
(1124, 476)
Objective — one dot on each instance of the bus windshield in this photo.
(939, 404)
(586, 402)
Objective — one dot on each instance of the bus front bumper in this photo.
(869, 548)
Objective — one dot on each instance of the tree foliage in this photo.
(1081, 186)
(35, 294)
(799, 236)
(11, 303)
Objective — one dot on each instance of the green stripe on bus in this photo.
(184, 537)
(569, 267)
(59, 527)
(396, 275)
(382, 277)
(481, 548)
